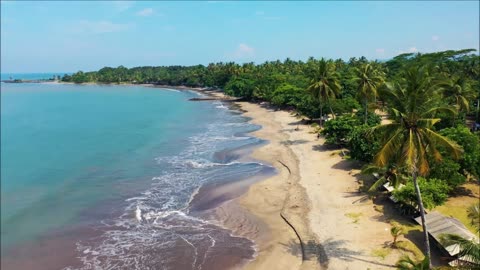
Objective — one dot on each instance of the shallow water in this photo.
(102, 177)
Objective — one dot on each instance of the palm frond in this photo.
(438, 140)
(469, 249)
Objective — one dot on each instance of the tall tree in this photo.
(324, 83)
(369, 79)
(459, 91)
(409, 139)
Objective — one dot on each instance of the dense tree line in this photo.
(305, 85)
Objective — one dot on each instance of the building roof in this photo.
(438, 224)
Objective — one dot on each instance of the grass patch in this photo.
(354, 216)
(410, 247)
(381, 252)
(457, 206)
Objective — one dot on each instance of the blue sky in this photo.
(70, 36)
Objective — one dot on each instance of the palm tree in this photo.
(368, 79)
(474, 215)
(469, 254)
(396, 231)
(406, 263)
(390, 173)
(460, 91)
(324, 83)
(409, 139)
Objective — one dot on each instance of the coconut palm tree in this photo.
(386, 174)
(409, 139)
(369, 79)
(459, 91)
(469, 254)
(474, 215)
(324, 84)
(396, 231)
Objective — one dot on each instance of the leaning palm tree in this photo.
(369, 80)
(409, 139)
(324, 84)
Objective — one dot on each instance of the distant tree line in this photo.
(289, 83)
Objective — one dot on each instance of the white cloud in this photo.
(435, 38)
(145, 12)
(243, 50)
(380, 51)
(98, 27)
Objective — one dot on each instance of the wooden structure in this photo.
(438, 224)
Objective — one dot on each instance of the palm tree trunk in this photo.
(333, 115)
(321, 115)
(331, 110)
(366, 112)
(422, 214)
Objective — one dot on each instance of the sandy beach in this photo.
(315, 215)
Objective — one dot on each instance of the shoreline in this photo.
(314, 213)
(301, 217)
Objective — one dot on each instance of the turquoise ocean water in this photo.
(31, 76)
(115, 168)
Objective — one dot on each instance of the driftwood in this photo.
(216, 98)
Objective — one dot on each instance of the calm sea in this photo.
(102, 177)
(31, 76)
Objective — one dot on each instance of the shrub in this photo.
(434, 193)
(372, 118)
(286, 95)
(337, 131)
(345, 105)
(448, 170)
(308, 106)
(240, 86)
(363, 146)
(470, 143)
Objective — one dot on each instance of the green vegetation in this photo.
(434, 193)
(469, 255)
(354, 216)
(382, 253)
(473, 213)
(396, 231)
(406, 263)
(427, 141)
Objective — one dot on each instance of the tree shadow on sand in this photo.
(324, 147)
(334, 248)
(293, 142)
